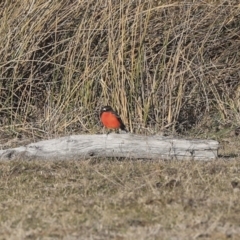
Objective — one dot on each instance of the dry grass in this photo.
(171, 65)
(110, 199)
(162, 64)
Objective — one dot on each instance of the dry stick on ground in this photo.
(116, 145)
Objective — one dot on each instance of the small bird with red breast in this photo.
(111, 120)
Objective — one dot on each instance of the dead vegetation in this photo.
(164, 65)
(109, 199)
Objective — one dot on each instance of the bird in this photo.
(111, 120)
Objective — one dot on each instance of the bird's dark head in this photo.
(106, 109)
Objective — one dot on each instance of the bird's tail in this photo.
(123, 128)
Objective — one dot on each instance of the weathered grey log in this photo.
(116, 145)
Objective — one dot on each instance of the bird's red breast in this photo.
(110, 119)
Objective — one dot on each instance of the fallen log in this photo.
(116, 145)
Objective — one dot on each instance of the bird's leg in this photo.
(108, 131)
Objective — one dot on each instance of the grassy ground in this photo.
(110, 199)
(169, 66)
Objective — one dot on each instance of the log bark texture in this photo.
(116, 145)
